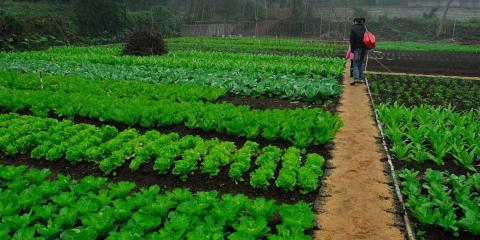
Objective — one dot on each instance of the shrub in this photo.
(145, 43)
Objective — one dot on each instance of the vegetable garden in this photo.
(226, 138)
(187, 128)
(433, 134)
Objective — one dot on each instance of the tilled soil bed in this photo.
(441, 63)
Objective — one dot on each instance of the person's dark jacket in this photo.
(356, 36)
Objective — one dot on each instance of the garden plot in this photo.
(171, 122)
(433, 135)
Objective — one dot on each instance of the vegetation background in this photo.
(35, 24)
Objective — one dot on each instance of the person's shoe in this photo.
(353, 83)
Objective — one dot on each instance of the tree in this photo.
(100, 16)
(444, 18)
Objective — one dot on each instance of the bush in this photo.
(145, 43)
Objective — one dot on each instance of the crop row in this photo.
(448, 201)
(52, 140)
(192, 60)
(264, 41)
(35, 205)
(302, 127)
(120, 89)
(250, 84)
(430, 47)
(256, 46)
(436, 134)
(434, 91)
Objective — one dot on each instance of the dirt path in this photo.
(359, 202)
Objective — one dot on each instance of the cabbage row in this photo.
(193, 60)
(53, 140)
(235, 82)
(34, 204)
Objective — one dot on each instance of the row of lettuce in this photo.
(295, 78)
(445, 137)
(77, 98)
(110, 149)
(37, 204)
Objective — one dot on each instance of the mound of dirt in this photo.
(145, 43)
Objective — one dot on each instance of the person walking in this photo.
(359, 49)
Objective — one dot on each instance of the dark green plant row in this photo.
(120, 89)
(52, 140)
(193, 60)
(303, 127)
(428, 46)
(260, 41)
(445, 200)
(257, 46)
(435, 91)
(250, 84)
(36, 205)
(436, 134)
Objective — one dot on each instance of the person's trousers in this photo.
(358, 64)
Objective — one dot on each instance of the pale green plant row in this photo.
(34, 204)
(120, 89)
(434, 134)
(53, 140)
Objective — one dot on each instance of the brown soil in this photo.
(359, 203)
(424, 75)
(276, 103)
(437, 63)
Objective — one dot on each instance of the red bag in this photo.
(369, 39)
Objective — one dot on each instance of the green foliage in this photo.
(309, 174)
(303, 127)
(267, 164)
(449, 201)
(432, 134)
(429, 47)
(287, 178)
(120, 89)
(299, 65)
(242, 160)
(257, 46)
(435, 91)
(111, 149)
(252, 84)
(90, 208)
